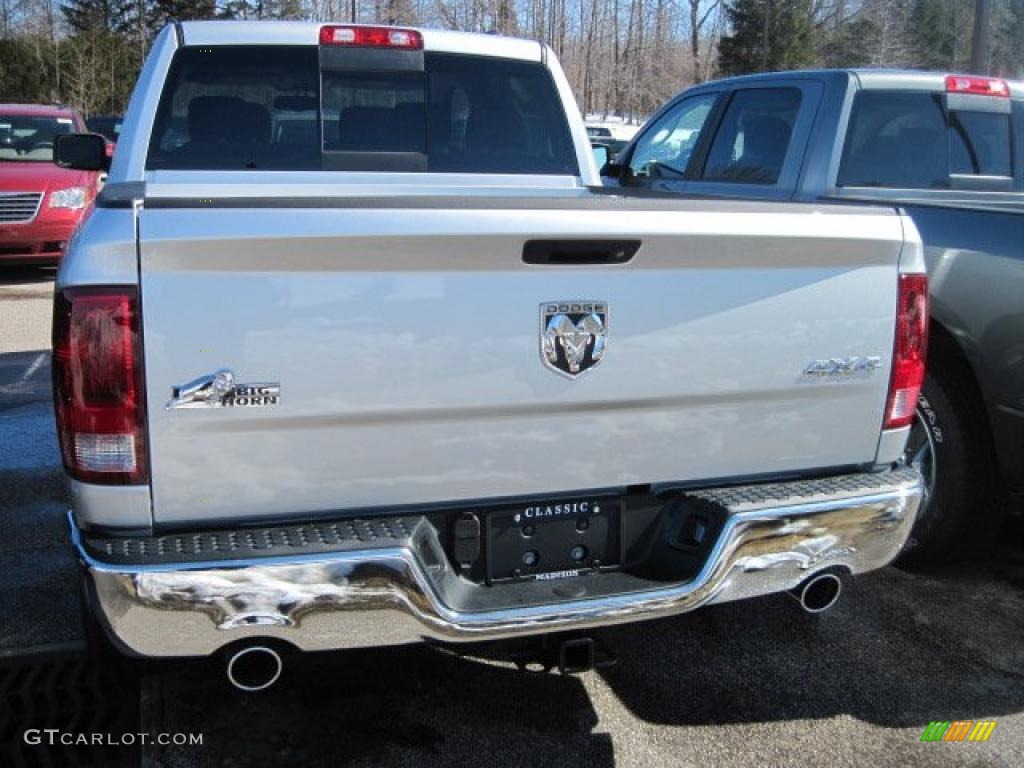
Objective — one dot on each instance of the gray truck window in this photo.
(979, 143)
(895, 140)
(906, 141)
(751, 143)
(259, 107)
(665, 148)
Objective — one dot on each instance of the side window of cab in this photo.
(666, 147)
(754, 136)
(758, 143)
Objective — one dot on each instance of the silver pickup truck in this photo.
(355, 350)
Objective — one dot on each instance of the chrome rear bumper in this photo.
(390, 582)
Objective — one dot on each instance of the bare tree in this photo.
(622, 57)
(700, 12)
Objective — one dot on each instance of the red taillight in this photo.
(980, 86)
(909, 351)
(97, 385)
(372, 37)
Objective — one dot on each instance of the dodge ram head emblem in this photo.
(573, 335)
(221, 390)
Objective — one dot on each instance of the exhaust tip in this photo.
(254, 668)
(819, 593)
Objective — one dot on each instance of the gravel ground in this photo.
(756, 683)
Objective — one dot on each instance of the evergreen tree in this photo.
(241, 9)
(767, 36)
(21, 76)
(163, 12)
(1008, 47)
(933, 34)
(113, 16)
(852, 45)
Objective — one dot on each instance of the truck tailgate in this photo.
(405, 337)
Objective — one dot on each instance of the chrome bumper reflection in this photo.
(395, 595)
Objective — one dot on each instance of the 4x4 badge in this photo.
(221, 390)
(573, 335)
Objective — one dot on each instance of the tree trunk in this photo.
(981, 40)
(695, 40)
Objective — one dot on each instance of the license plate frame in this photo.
(552, 530)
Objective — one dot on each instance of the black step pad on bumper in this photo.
(247, 543)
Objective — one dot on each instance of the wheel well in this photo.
(946, 354)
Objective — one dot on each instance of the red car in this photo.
(40, 203)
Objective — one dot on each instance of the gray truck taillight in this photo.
(97, 385)
(977, 86)
(909, 351)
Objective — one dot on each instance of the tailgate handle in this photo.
(576, 252)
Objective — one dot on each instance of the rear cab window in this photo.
(979, 144)
(913, 140)
(304, 108)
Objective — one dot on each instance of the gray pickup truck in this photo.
(949, 151)
(354, 349)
